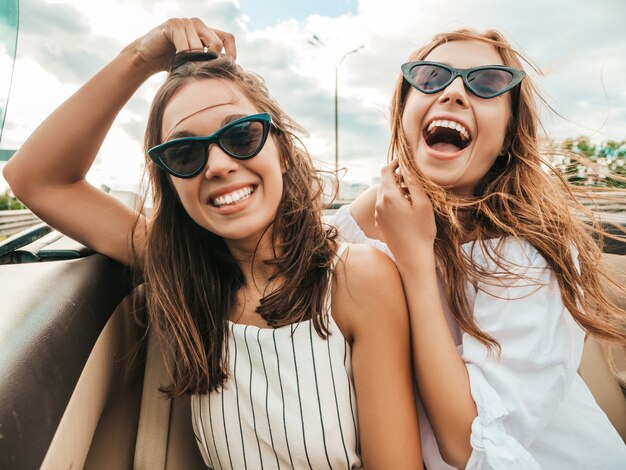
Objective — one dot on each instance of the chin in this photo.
(441, 175)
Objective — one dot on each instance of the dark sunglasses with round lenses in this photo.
(186, 157)
(486, 81)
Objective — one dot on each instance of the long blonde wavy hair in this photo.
(516, 198)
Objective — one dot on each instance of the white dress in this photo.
(534, 410)
(289, 401)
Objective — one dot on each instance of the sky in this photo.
(580, 47)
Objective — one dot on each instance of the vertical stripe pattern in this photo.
(289, 402)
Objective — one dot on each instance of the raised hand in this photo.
(157, 47)
(50, 167)
(403, 214)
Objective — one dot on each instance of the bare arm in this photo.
(369, 307)
(441, 374)
(362, 209)
(48, 171)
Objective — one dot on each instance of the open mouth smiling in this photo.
(233, 197)
(446, 136)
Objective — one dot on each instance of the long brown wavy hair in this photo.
(191, 277)
(516, 198)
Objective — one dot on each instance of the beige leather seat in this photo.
(99, 427)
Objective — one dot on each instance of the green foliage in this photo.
(608, 159)
(10, 202)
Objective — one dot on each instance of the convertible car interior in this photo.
(79, 376)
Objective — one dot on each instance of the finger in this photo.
(389, 167)
(395, 172)
(393, 181)
(193, 39)
(415, 190)
(209, 40)
(387, 186)
(398, 175)
(216, 39)
(228, 40)
(387, 174)
(174, 31)
(401, 182)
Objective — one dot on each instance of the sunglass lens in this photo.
(243, 140)
(489, 82)
(184, 158)
(428, 78)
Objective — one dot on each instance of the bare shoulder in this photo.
(367, 287)
(362, 210)
(362, 266)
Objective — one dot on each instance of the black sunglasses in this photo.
(186, 157)
(486, 81)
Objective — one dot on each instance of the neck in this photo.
(252, 257)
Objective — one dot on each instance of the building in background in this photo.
(351, 190)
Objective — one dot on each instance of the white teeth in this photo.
(450, 125)
(233, 197)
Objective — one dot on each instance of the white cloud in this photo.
(584, 64)
(35, 93)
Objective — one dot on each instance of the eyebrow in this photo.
(183, 133)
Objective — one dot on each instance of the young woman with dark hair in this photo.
(294, 355)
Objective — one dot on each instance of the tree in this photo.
(608, 160)
(10, 202)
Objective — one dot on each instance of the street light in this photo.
(317, 42)
(337, 108)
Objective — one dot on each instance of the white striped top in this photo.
(289, 401)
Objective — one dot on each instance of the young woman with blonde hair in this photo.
(467, 211)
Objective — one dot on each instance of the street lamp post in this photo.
(316, 42)
(337, 109)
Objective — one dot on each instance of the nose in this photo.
(219, 163)
(455, 93)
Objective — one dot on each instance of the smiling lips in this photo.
(233, 197)
(445, 136)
